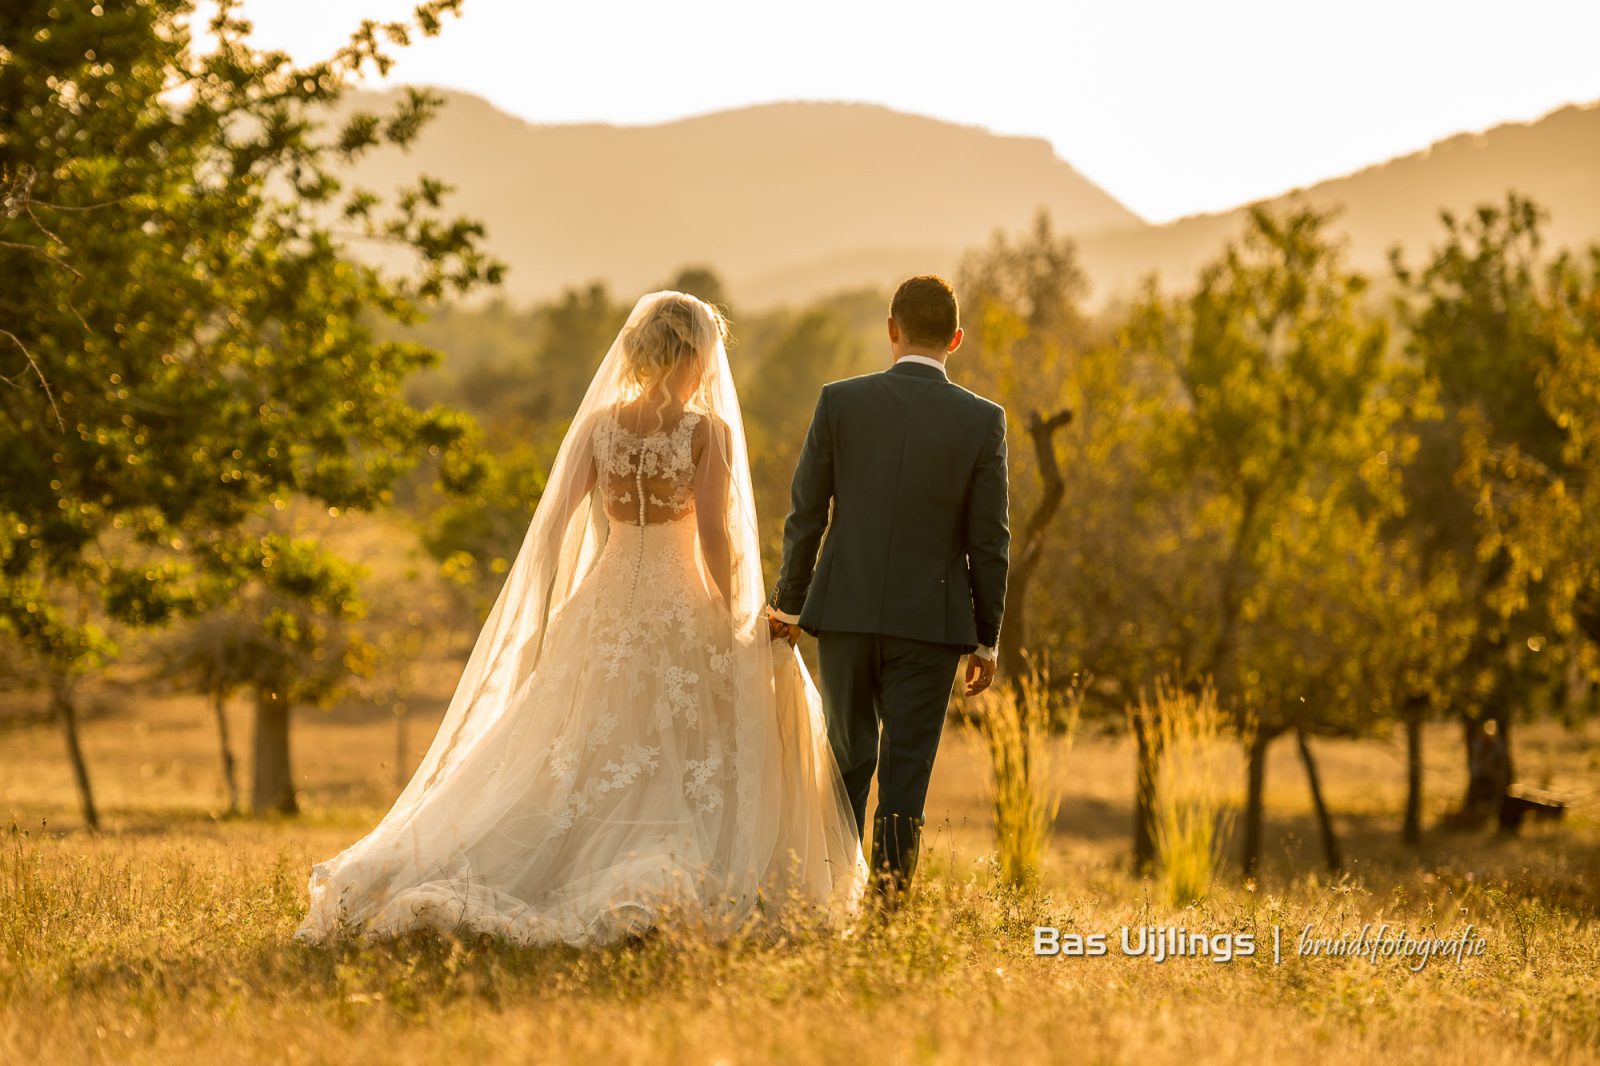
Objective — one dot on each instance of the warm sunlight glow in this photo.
(1172, 107)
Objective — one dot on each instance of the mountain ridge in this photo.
(1555, 159)
(793, 199)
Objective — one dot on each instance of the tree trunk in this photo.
(1330, 841)
(1412, 831)
(1029, 546)
(1481, 800)
(66, 711)
(1503, 719)
(1147, 756)
(1578, 692)
(1229, 595)
(272, 787)
(1256, 780)
(230, 777)
(1489, 768)
(1470, 728)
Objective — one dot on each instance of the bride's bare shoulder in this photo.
(589, 425)
(709, 427)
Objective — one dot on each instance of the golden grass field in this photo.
(165, 938)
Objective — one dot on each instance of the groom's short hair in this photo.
(925, 308)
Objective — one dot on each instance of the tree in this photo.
(1542, 514)
(199, 345)
(279, 623)
(1024, 328)
(208, 656)
(575, 333)
(808, 349)
(1568, 506)
(1502, 480)
(1281, 439)
(475, 534)
(702, 281)
(292, 627)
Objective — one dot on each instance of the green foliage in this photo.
(522, 375)
(475, 536)
(1474, 316)
(803, 351)
(1025, 332)
(195, 344)
(701, 281)
(278, 618)
(579, 328)
(1503, 488)
(1280, 435)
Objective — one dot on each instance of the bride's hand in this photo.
(779, 629)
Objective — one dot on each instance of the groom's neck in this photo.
(926, 353)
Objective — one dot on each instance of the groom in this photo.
(905, 473)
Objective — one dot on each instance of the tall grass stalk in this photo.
(1016, 722)
(1193, 797)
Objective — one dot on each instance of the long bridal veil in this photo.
(791, 837)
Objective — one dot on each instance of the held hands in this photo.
(780, 629)
(980, 673)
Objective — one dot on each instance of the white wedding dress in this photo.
(626, 746)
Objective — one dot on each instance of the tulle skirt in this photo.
(655, 765)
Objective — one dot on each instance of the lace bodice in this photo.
(645, 478)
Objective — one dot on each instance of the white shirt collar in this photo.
(924, 360)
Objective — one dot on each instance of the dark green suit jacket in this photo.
(914, 468)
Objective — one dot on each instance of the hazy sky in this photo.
(1173, 106)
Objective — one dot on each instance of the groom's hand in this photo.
(781, 629)
(980, 673)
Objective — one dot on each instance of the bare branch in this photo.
(33, 364)
(1042, 429)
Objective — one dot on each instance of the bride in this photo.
(627, 745)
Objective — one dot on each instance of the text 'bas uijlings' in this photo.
(1154, 942)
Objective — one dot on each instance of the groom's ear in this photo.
(894, 330)
(955, 341)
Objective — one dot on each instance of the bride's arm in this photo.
(711, 488)
(531, 594)
(575, 482)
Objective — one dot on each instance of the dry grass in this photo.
(1196, 782)
(1016, 723)
(165, 939)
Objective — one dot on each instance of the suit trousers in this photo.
(903, 686)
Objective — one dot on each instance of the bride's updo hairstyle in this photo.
(675, 330)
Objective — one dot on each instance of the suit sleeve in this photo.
(989, 534)
(810, 497)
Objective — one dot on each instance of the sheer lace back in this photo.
(645, 478)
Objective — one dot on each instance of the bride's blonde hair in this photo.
(676, 328)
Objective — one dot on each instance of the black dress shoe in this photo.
(896, 844)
